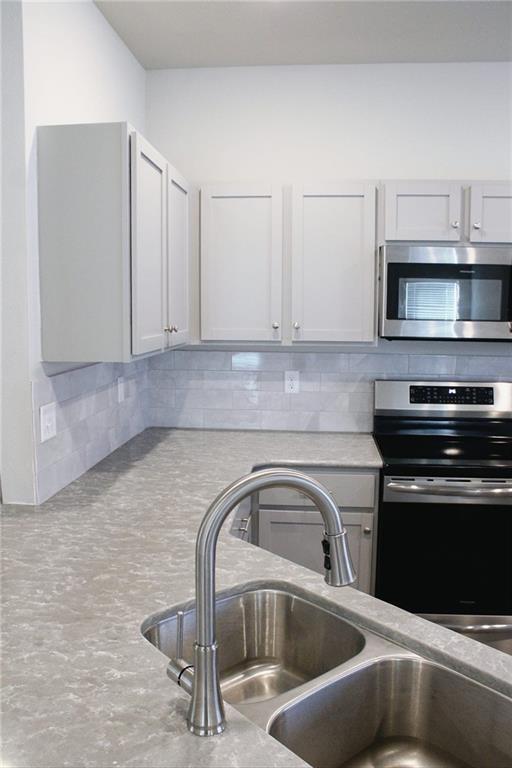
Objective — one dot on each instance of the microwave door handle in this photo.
(455, 489)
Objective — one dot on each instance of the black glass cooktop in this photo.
(449, 444)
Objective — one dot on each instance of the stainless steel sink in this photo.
(270, 641)
(338, 695)
(399, 713)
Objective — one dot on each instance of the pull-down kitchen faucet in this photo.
(206, 713)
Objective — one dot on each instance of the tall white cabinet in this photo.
(241, 262)
(149, 246)
(333, 262)
(113, 245)
(178, 279)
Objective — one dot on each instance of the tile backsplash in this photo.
(223, 390)
(245, 390)
(91, 422)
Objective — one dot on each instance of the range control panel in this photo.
(439, 395)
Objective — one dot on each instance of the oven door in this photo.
(444, 546)
(446, 293)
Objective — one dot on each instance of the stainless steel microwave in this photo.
(446, 292)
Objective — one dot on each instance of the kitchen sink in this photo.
(399, 713)
(335, 694)
(270, 641)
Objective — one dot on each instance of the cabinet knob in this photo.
(477, 225)
(296, 326)
(167, 329)
(275, 326)
(455, 224)
(367, 530)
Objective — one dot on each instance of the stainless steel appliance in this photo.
(446, 292)
(444, 545)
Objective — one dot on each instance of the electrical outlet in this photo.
(48, 416)
(291, 382)
(120, 389)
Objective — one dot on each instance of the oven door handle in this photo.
(455, 489)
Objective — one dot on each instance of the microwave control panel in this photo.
(451, 395)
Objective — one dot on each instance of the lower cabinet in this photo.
(296, 534)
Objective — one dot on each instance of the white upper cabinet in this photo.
(149, 246)
(241, 262)
(333, 263)
(423, 210)
(491, 213)
(178, 320)
(113, 245)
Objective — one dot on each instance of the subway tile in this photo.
(326, 362)
(484, 366)
(271, 381)
(232, 419)
(293, 421)
(345, 422)
(261, 361)
(162, 362)
(162, 417)
(432, 365)
(268, 401)
(162, 397)
(344, 382)
(202, 361)
(231, 380)
(379, 363)
(201, 398)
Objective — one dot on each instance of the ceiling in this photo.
(219, 33)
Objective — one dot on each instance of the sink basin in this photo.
(399, 713)
(270, 641)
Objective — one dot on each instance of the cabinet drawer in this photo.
(348, 490)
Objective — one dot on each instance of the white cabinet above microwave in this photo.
(113, 245)
(446, 211)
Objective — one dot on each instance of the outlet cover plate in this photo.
(48, 416)
(291, 382)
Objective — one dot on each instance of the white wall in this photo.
(362, 121)
(76, 69)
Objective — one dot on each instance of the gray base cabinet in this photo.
(283, 521)
(296, 534)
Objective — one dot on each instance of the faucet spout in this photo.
(206, 712)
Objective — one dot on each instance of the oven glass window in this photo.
(449, 292)
(431, 299)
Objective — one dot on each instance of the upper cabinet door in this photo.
(149, 248)
(423, 210)
(241, 262)
(178, 289)
(491, 213)
(333, 263)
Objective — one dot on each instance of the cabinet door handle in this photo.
(455, 224)
(296, 325)
(275, 326)
(174, 328)
(477, 225)
(167, 329)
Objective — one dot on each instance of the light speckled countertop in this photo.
(81, 686)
